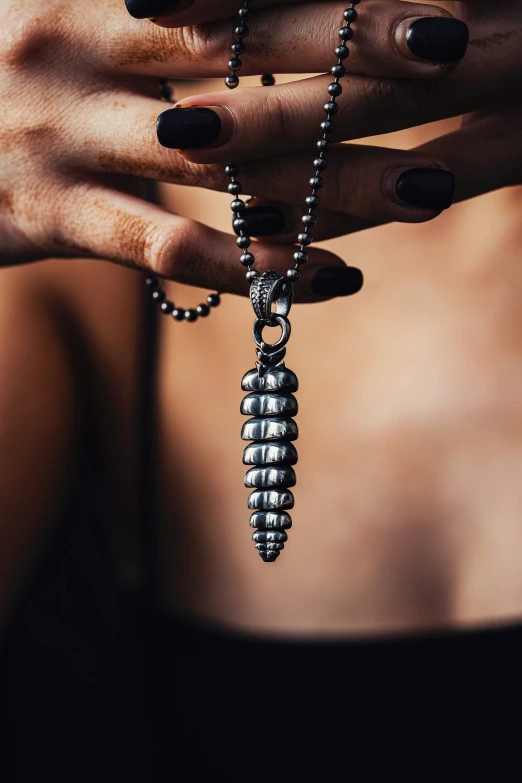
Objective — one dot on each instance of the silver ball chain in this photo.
(320, 163)
(238, 207)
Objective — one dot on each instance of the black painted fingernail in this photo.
(264, 221)
(142, 9)
(426, 188)
(186, 129)
(337, 281)
(438, 38)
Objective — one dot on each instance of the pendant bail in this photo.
(269, 290)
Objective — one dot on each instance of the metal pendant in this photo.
(272, 405)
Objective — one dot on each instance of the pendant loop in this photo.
(260, 324)
(271, 290)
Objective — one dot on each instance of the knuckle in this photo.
(170, 250)
(345, 183)
(278, 111)
(24, 40)
(379, 96)
(201, 175)
(380, 102)
(194, 42)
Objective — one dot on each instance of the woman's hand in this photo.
(79, 92)
(408, 65)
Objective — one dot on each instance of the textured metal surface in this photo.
(271, 520)
(271, 428)
(269, 404)
(276, 453)
(269, 536)
(271, 348)
(271, 499)
(276, 379)
(267, 557)
(267, 477)
(269, 290)
(269, 546)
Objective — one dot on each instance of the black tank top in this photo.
(100, 685)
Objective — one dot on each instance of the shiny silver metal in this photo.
(269, 536)
(270, 499)
(271, 520)
(267, 477)
(271, 290)
(269, 546)
(272, 405)
(270, 429)
(270, 348)
(269, 552)
(269, 404)
(277, 453)
(277, 379)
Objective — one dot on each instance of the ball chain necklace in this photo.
(270, 386)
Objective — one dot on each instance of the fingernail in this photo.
(426, 188)
(186, 129)
(263, 221)
(143, 9)
(438, 39)
(337, 281)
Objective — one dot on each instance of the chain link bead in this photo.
(247, 259)
(158, 295)
(167, 307)
(313, 201)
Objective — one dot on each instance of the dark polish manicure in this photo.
(438, 39)
(426, 188)
(337, 281)
(143, 9)
(186, 129)
(264, 221)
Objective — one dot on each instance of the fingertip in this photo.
(333, 281)
(165, 13)
(329, 278)
(425, 191)
(438, 41)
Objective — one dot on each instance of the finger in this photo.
(370, 183)
(408, 40)
(95, 221)
(486, 154)
(257, 122)
(366, 182)
(272, 221)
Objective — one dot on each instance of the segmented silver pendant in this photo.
(270, 385)
(271, 403)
